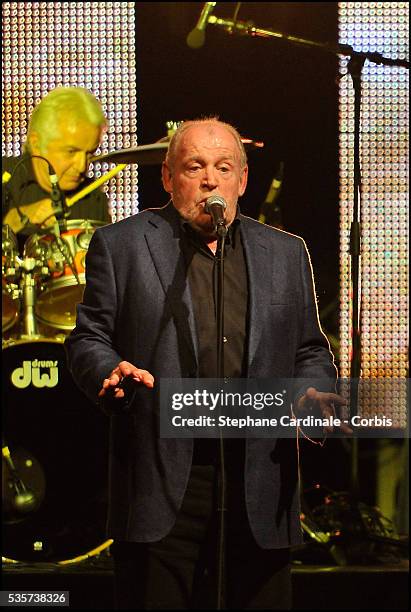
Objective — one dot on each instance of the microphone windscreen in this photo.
(25, 502)
(196, 38)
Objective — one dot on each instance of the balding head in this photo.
(209, 123)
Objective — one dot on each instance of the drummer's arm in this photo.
(37, 213)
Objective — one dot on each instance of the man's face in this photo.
(206, 163)
(69, 153)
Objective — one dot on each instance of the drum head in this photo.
(56, 305)
(64, 256)
(59, 441)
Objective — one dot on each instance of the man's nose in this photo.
(81, 162)
(210, 179)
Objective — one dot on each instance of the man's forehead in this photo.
(208, 136)
(71, 130)
(71, 123)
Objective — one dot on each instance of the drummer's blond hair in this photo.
(213, 120)
(76, 102)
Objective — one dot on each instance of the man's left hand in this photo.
(323, 405)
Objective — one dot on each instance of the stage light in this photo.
(381, 27)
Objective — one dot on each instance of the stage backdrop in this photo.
(87, 44)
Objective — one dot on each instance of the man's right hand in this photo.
(39, 213)
(111, 385)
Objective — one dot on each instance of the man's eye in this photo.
(224, 169)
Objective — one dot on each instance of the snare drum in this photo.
(65, 257)
(59, 443)
(10, 300)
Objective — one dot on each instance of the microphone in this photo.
(270, 211)
(57, 196)
(196, 37)
(215, 206)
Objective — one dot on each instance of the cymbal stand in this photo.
(28, 266)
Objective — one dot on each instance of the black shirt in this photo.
(201, 268)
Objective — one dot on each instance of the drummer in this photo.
(65, 128)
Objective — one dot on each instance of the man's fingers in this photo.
(121, 376)
(139, 375)
(146, 378)
(336, 399)
(327, 404)
(313, 395)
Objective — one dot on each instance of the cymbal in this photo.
(155, 153)
(145, 155)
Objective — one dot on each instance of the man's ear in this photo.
(243, 181)
(166, 177)
(34, 143)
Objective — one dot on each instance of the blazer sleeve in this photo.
(314, 362)
(91, 355)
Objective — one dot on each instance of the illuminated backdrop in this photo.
(87, 44)
(382, 27)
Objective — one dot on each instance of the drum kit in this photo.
(55, 445)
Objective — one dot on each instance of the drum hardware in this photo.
(9, 246)
(84, 238)
(10, 272)
(31, 269)
(155, 153)
(63, 250)
(65, 463)
(24, 499)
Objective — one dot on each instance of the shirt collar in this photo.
(231, 233)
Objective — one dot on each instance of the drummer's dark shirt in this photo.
(23, 189)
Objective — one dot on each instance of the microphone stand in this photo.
(248, 29)
(58, 199)
(355, 65)
(219, 260)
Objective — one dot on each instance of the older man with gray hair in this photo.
(64, 131)
(149, 312)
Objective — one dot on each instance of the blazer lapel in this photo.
(163, 240)
(259, 267)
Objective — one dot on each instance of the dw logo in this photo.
(30, 373)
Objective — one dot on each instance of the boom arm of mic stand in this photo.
(249, 29)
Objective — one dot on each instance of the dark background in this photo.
(284, 95)
(272, 91)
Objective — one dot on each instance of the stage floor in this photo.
(315, 587)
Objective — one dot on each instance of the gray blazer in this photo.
(137, 307)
